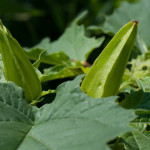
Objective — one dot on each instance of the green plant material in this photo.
(139, 99)
(2, 77)
(68, 53)
(145, 103)
(117, 147)
(74, 119)
(132, 99)
(60, 72)
(73, 43)
(53, 59)
(17, 67)
(18, 10)
(66, 70)
(129, 142)
(139, 70)
(127, 12)
(39, 60)
(141, 46)
(145, 82)
(104, 77)
(139, 139)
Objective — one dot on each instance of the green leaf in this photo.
(145, 102)
(138, 99)
(60, 72)
(140, 66)
(139, 70)
(16, 117)
(72, 42)
(139, 138)
(17, 67)
(140, 45)
(71, 69)
(127, 12)
(73, 121)
(141, 135)
(54, 59)
(129, 142)
(132, 99)
(104, 77)
(39, 60)
(145, 82)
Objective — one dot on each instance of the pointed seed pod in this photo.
(17, 67)
(104, 77)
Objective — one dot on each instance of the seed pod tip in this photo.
(135, 22)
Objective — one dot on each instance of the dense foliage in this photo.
(50, 104)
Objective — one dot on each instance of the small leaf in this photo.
(60, 72)
(37, 63)
(145, 102)
(129, 141)
(17, 67)
(53, 59)
(104, 77)
(132, 99)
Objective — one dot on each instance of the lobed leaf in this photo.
(73, 121)
(72, 42)
(16, 116)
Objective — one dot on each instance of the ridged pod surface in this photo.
(17, 67)
(104, 77)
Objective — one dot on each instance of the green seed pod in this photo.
(17, 67)
(104, 77)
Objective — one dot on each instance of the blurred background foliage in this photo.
(29, 21)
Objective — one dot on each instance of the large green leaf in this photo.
(72, 42)
(73, 121)
(128, 11)
(16, 117)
